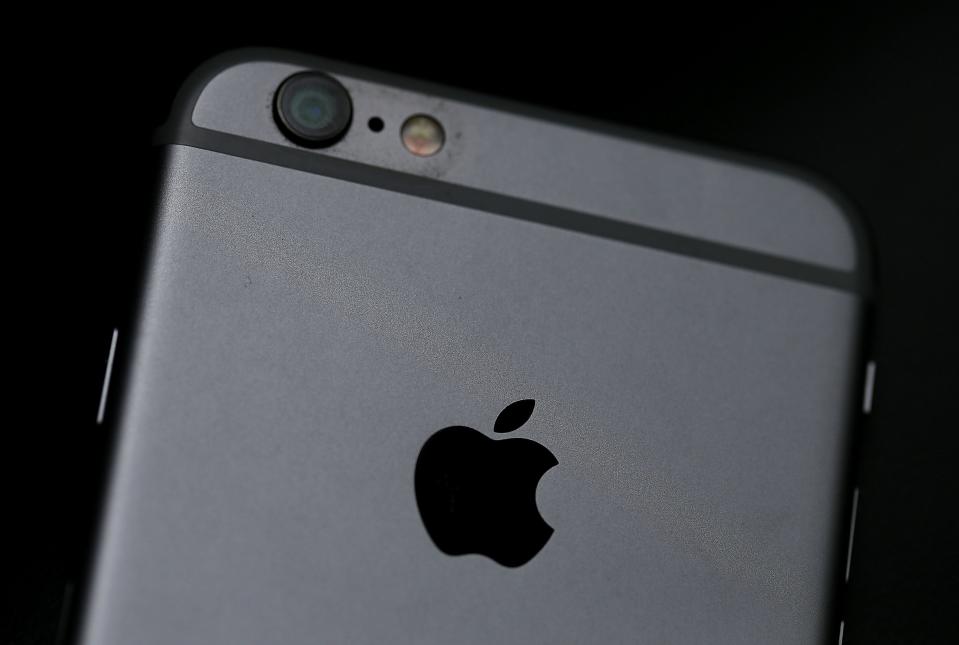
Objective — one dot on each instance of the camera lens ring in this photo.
(312, 109)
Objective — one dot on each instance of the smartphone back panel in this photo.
(301, 337)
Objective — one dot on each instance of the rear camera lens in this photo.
(313, 109)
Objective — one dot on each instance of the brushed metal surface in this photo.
(640, 182)
(302, 336)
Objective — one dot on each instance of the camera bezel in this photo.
(295, 131)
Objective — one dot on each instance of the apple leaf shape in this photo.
(513, 416)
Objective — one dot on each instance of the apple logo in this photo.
(478, 495)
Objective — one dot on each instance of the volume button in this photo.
(868, 387)
(852, 530)
(105, 390)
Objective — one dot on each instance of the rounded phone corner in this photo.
(848, 215)
(180, 118)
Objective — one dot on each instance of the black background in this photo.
(863, 95)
